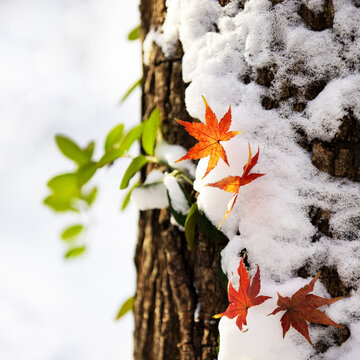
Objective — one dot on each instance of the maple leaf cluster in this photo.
(209, 135)
(232, 183)
(300, 309)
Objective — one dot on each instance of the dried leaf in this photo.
(243, 299)
(232, 183)
(302, 308)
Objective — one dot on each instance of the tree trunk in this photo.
(179, 291)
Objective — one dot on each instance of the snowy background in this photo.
(63, 67)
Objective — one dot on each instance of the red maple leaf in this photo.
(209, 136)
(243, 299)
(232, 183)
(302, 308)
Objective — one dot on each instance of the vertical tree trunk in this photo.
(178, 291)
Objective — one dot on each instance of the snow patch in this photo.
(178, 199)
(171, 153)
(166, 36)
(153, 195)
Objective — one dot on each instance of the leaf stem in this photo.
(153, 159)
(183, 176)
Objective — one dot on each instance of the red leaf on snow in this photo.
(209, 136)
(302, 308)
(243, 299)
(232, 183)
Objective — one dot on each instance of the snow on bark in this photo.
(282, 72)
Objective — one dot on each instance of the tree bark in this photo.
(179, 291)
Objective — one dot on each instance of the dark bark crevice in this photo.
(318, 21)
(340, 157)
(320, 218)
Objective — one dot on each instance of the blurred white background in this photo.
(64, 64)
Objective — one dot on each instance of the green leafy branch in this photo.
(70, 191)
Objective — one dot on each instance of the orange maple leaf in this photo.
(209, 136)
(232, 183)
(301, 308)
(243, 299)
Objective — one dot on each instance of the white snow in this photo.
(330, 106)
(166, 35)
(152, 196)
(153, 193)
(155, 196)
(171, 153)
(178, 199)
(221, 45)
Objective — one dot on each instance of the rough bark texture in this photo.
(178, 291)
(172, 281)
(339, 157)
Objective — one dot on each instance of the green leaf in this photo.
(127, 306)
(59, 203)
(75, 252)
(126, 199)
(85, 173)
(130, 90)
(179, 217)
(71, 150)
(90, 198)
(132, 169)
(110, 157)
(64, 184)
(133, 135)
(89, 150)
(113, 137)
(187, 197)
(190, 224)
(210, 230)
(222, 277)
(134, 34)
(72, 232)
(151, 126)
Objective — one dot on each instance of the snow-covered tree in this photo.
(290, 71)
